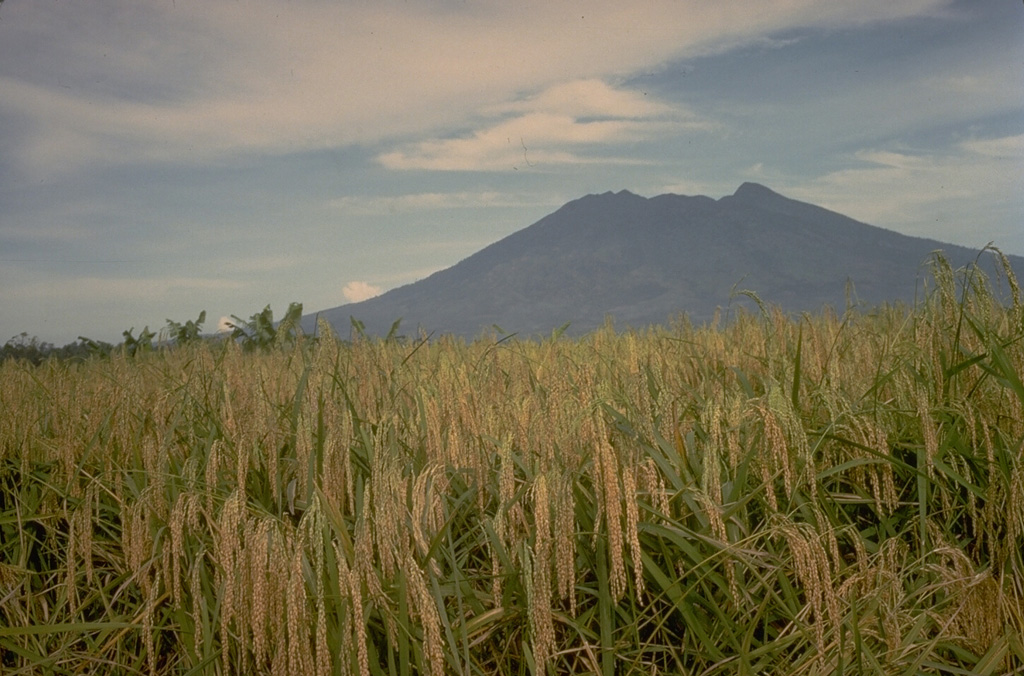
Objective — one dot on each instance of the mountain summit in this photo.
(646, 260)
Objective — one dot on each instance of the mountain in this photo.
(646, 260)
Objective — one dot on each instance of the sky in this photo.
(159, 158)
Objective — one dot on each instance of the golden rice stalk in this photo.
(711, 475)
(880, 476)
(506, 487)
(524, 415)
(541, 620)
(147, 624)
(609, 478)
(363, 568)
(79, 546)
(430, 618)
(542, 642)
(213, 460)
(349, 620)
(1015, 509)
(629, 494)
(1011, 280)
(388, 489)
(928, 434)
(154, 462)
(242, 446)
(977, 609)
(350, 576)
(565, 541)
(798, 457)
(652, 482)
(716, 522)
(297, 618)
(196, 592)
(71, 570)
(435, 424)
(226, 553)
(257, 545)
(337, 481)
(315, 535)
(184, 512)
(774, 456)
(280, 596)
(428, 509)
(164, 559)
(85, 515)
(498, 523)
(137, 540)
(732, 414)
(814, 573)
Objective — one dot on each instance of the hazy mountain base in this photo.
(821, 495)
(645, 261)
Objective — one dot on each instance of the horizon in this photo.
(164, 159)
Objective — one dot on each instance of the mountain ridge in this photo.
(646, 260)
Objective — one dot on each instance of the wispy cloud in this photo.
(431, 201)
(195, 82)
(941, 193)
(250, 264)
(154, 289)
(1006, 147)
(557, 126)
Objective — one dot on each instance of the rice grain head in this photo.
(651, 482)
(257, 546)
(565, 541)
(814, 574)
(430, 619)
(609, 467)
(196, 592)
(711, 458)
(629, 495)
(355, 591)
(299, 661)
(148, 625)
(227, 554)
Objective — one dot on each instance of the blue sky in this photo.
(164, 157)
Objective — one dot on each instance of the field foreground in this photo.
(828, 494)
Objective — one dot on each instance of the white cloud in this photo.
(555, 126)
(1007, 147)
(943, 195)
(357, 291)
(429, 201)
(591, 98)
(195, 81)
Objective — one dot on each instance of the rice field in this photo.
(839, 493)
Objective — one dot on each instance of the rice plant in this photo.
(769, 495)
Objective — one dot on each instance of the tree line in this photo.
(259, 332)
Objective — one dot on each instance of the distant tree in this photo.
(80, 350)
(23, 347)
(189, 332)
(259, 332)
(87, 347)
(34, 351)
(133, 346)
